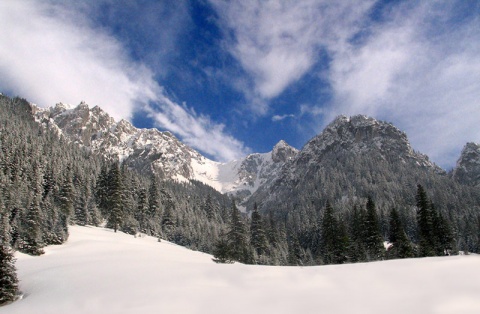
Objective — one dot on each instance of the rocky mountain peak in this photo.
(361, 134)
(282, 152)
(467, 169)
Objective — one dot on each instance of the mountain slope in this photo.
(351, 159)
(98, 271)
(144, 149)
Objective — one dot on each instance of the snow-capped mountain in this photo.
(147, 149)
(467, 169)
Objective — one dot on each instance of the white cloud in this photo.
(425, 80)
(50, 52)
(277, 118)
(277, 42)
(196, 130)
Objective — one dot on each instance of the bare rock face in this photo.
(144, 149)
(467, 170)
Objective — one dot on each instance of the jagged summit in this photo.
(352, 157)
(162, 152)
(360, 134)
(467, 169)
(282, 152)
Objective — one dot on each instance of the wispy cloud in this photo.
(277, 42)
(420, 70)
(277, 118)
(197, 130)
(51, 52)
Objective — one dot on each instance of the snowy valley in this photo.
(98, 271)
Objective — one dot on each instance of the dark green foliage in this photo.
(295, 253)
(372, 237)
(115, 200)
(234, 245)
(401, 245)
(168, 220)
(334, 238)
(8, 275)
(258, 238)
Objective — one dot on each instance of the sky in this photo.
(235, 77)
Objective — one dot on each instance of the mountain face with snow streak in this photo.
(467, 170)
(147, 149)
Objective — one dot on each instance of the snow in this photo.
(98, 271)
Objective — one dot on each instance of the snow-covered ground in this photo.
(99, 271)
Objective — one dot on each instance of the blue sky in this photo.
(235, 77)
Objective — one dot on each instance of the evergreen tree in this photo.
(115, 203)
(442, 233)
(425, 223)
(8, 275)
(221, 251)
(334, 238)
(258, 239)
(295, 252)
(153, 198)
(141, 212)
(208, 207)
(357, 251)
(402, 247)
(168, 220)
(31, 240)
(67, 194)
(372, 235)
(237, 237)
(329, 235)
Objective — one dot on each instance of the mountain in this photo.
(354, 157)
(467, 170)
(147, 149)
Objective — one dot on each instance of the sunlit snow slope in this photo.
(98, 271)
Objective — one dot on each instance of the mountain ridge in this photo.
(162, 152)
(153, 150)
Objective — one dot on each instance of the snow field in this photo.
(98, 271)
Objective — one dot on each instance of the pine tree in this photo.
(425, 224)
(31, 239)
(334, 238)
(141, 212)
(115, 203)
(329, 235)
(442, 233)
(295, 252)
(208, 207)
(372, 236)
(67, 194)
(8, 275)
(402, 247)
(153, 198)
(258, 239)
(237, 237)
(357, 251)
(168, 220)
